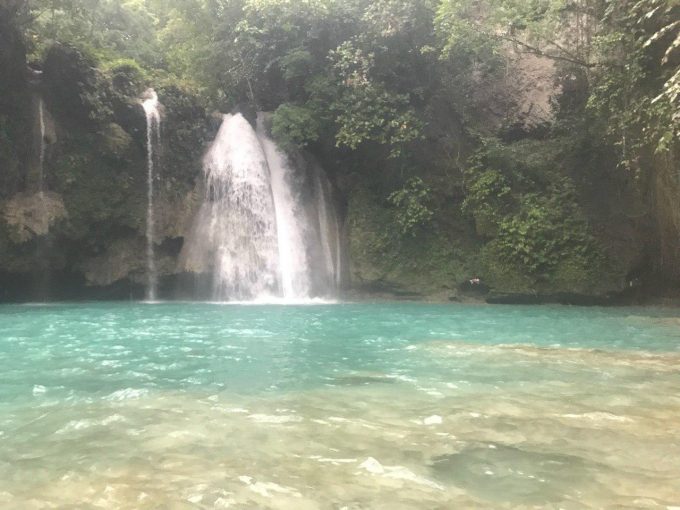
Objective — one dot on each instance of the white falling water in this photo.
(40, 143)
(291, 222)
(338, 255)
(153, 126)
(255, 235)
(43, 244)
(41, 168)
(324, 230)
(236, 229)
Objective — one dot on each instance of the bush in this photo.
(412, 203)
(544, 231)
(294, 126)
(127, 76)
(528, 208)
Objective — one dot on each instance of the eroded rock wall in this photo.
(89, 220)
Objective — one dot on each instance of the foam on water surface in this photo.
(189, 405)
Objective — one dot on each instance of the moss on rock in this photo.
(383, 259)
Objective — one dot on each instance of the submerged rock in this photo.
(362, 379)
(512, 474)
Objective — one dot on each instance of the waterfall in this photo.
(260, 229)
(324, 230)
(41, 167)
(338, 254)
(291, 222)
(236, 229)
(40, 185)
(44, 241)
(153, 127)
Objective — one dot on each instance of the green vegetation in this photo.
(413, 213)
(521, 201)
(424, 97)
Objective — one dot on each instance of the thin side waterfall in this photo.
(43, 244)
(41, 167)
(40, 185)
(338, 254)
(153, 127)
(330, 230)
(259, 232)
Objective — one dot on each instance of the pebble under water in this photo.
(330, 406)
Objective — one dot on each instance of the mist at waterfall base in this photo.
(392, 406)
(266, 230)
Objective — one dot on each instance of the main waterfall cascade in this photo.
(264, 223)
(153, 129)
(234, 235)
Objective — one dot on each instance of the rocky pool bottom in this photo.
(394, 406)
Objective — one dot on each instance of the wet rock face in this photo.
(32, 215)
(15, 102)
(124, 260)
(174, 214)
(125, 257)
(12, 55)
(522, 99)
(75, 89)
(532, 88)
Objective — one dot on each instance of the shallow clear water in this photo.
(189, 405)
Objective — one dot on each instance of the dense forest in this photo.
(530, 144)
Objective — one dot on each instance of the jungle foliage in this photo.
(367, 71)
(388, 94)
